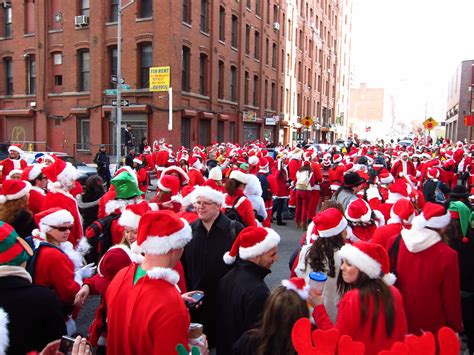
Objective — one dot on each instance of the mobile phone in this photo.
(66, 344)
(197, 297)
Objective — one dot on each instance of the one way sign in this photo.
(122, 103)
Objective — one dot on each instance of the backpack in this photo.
(438, 194)
(302, 180)
(99, 235)
(231, 212)
(31, 263)
(266, 192)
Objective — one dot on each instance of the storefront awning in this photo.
(17, 112)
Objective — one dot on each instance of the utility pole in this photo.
(118, 122)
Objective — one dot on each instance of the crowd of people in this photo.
(388, 226)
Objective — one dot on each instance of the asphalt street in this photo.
(289, 241)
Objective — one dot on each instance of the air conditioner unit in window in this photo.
(82, 20)
(276, 26)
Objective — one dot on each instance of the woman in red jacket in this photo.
(371, 309)
(235, 198)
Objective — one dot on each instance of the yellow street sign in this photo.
(307, 121)
(160, 78)
(430, 123)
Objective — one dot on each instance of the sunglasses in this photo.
(62, 229)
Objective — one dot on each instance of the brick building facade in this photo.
(230, 70)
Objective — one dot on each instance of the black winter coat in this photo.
(24, 223)
(240, 299)
(204, 266)
(34, 313)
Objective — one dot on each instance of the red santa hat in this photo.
(147, 149)
(328, 223)
(358, 211)
(13, 173)
(432, 173)
(60, 172)
(398, 190)
(208, 193)
(49, 218)
(402, 211)
(186, 195)
(370, 258)
(15, 148)
(183, 155)
(386, 178)
(31, 172)
(263, 165)
(297, 284)
(326, 163)
(239, 176)
(169, 183)
(131, 215)
(160, 232)
(434, 215)
(254, 160)
(14, 190)
(215, 173)
(252, 242)
(337, 158)
(176, 170)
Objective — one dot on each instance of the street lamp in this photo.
(118, 128)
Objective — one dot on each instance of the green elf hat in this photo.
(126, 186)
(460, 211)
(13, 250)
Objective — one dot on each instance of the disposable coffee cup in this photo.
(317, 280)
(195, 330)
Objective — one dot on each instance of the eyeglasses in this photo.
(62, 229)
(204, 204)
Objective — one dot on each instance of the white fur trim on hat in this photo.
(271, 240)
(161, 245)
(158, 273)
(215, 173)
(419, 222)
(387, 180)
(19, 194)
(229, 260)
(55, 219)
(239, 176)
(290, 286)
(253, 160)
(138, 161)
(373, 192)
(163, 187)
(335, 230)
(69, 173)
(15, 149)
(129, 219)
(4, 341)
(35, 171)
(113, 205)
(14, 172)
(208, 193)
(361, 260)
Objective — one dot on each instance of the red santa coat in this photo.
(142, 178)
(383, 234)
(54, 270)
(243, 207)
(404, 168)
(36, 199)
(65, 200)
(195, 177)
(348, 321)
(428, 279)
(336, 175)
(7, 165)
(147, 318)
(293, 167)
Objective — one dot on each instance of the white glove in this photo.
(84, 272)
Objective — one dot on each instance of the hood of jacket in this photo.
(419, 240)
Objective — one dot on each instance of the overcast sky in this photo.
(411, 48)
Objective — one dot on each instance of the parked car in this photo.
(406, 142)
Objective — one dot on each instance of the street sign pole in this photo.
(170, 109)
(118, 127)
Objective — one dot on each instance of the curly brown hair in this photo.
(9, 209)
(321, 254)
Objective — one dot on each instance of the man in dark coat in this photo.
(34, 312)
(103, 162)
(213, 235)
(242, 291)
(129, 138)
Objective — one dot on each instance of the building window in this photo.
(274, 56)
(114, 10)
(319, 83)
(220, 131)
(273, 97)
(84, 71)
(113, 65)
(265, 96)
(249, 5)
(231, 131)
(187, 11)
(300, 72)
(267, 51)
(268, 12)
(221, 24)
(146, 9)
(205, 16)
(255, 90)
(233, 83)
(83, 134)
(275, 14)
(257, 45)
(246, 88)
(257, 7)
(220, 83)
(31, 74)
(235, 32)
(85, 7)
(247, 39)
(8, 65)
(7, 20)
(30, 16)
(203, 63)
(185, 69)
(146, 62)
